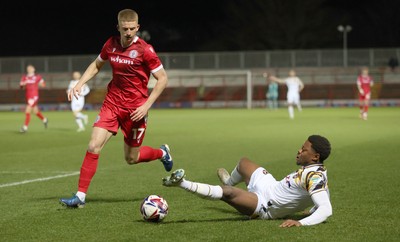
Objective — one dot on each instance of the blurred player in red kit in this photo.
(31, 82)
(364, 84)
(126, 104)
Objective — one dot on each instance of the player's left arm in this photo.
(301, 84)
(42, 83)
(323, 209)
(322, 212)
(162, 80)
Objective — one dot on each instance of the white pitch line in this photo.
(38, 179)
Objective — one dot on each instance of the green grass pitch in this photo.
(363, 175)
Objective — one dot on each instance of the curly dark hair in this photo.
(321, 145)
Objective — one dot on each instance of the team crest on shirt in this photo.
(133, 54)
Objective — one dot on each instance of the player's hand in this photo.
(139, 113)
(74, 92)
(361, 92)
(290, 223)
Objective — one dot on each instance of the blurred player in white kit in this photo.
(295, 86)
(77, 104)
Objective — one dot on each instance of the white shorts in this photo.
(260, 183)
(293, 97)
(77, 104)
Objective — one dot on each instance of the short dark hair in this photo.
(321, 145)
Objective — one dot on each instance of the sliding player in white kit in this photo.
(268, 198)
(295, 86)
(77, 104)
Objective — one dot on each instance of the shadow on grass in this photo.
(195, 220)
(94, 200)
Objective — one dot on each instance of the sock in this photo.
(79, 122)
(299, 107)
(235, 177)
(88, 169)
(40, 115)
(81, 196)
(79, 115)
(147, 153)
(291, 111)
(27, 119)
(204, 190)
(366, 109)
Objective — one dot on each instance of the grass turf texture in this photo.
(363, 176)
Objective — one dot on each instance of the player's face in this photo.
(76, 75)
(30, 69)
(306, 155)
(128, 31)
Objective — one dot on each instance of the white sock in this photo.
(163, 152)
(81, 196)
(235, 177)
(204, 190)
(80, 115)
(299, 107)
(291, 111)
(79, 122)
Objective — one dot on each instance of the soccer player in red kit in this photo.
(364, 84)
(31, 81)
(126, 104)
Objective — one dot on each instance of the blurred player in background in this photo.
(272, 93)
(31, 82)
(295, 86)
(364, 84)
(126, 104)
(77, 104)
(266, 197)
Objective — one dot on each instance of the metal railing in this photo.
(218, 60)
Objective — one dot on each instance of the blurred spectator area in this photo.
(321, 83)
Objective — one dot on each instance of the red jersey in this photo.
(31, 85)
(365, 82)
(131, 68)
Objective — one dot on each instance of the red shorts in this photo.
(32, 101)
(366, 96)
(112, 118)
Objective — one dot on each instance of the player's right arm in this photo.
(90, 72)
(360, 90)
(22, 83)
(274, 78)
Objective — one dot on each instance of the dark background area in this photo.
(81, 27)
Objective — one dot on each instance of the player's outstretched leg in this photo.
(167, 158)
(177, 179)
(72, 202)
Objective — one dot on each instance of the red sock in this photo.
(365, 108)
(88, 169)
(40, 115)
(146, 154)
(27, 118)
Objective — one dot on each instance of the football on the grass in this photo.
(154, 208)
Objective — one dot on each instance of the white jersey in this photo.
(293, 84)
(78, 104)
(293, 193)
